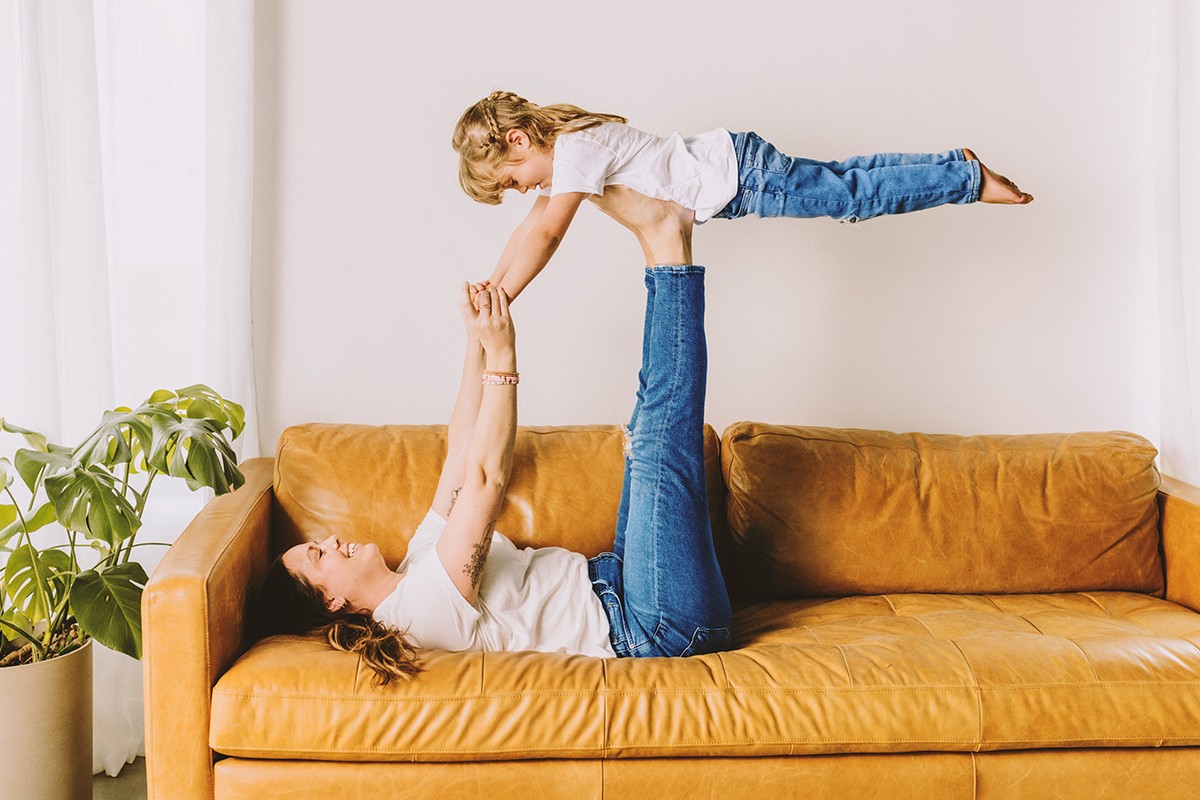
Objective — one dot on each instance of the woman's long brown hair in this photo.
(291, 605)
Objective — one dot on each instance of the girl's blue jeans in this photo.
(771, 184)
(661, 587)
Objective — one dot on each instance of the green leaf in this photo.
(36, 465)
(5, 478)
(87, 499)
(15, 618)
(195, 450)
(8, 513)
(201, 402)
(108, 605)
(109, 444)
(34, 439)
(32, 577)
(41, 518)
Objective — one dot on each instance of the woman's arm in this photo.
(534, 251)
(467, 539)
(466, 409)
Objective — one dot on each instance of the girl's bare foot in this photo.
(996, 188)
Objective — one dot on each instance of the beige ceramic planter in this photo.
(46, 728)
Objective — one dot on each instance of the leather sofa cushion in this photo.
(820, 512)
(370, 483)
(891, 673)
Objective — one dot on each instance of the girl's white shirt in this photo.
(536, 598)
(697, 172)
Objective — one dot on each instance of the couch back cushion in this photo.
(375, 484)
(829, 512)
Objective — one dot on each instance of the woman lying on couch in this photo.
(464, 586)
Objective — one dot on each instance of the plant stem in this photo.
(141, 505)
(27, 636)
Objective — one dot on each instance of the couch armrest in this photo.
(194, 627)
(1179, 518)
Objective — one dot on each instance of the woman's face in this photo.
(343, 571)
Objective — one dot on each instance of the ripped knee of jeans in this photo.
(628, 442)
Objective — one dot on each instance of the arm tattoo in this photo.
(479, 555)
(453, 500)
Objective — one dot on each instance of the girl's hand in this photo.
(492, 324)
(476, 288)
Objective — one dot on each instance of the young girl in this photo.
(464, 586)
(570, 155)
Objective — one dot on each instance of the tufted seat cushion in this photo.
(885, 673)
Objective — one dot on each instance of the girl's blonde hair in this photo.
(479, 136)
(289, 604)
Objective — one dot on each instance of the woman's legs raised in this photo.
(674, 595)
(643, 374)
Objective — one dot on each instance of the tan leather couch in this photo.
(916, 616)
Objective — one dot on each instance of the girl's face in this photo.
(341, 570)
(527, 167)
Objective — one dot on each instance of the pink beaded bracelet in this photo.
(491, 378)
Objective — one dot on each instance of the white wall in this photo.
(963, 319)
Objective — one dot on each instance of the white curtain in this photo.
(125, 178)
(1175, 121)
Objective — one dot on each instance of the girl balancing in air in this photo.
(464, 586)
(570, 155)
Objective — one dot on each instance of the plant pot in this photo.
(46, 728)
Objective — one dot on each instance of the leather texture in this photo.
(1070, 691)
(375, 483)
(193, 628)
(1180, 508)
(1080, 774)
(896, 673)
(825, 512)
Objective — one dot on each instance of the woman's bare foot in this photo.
(996, 188)
(663, 228)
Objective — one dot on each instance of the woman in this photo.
(464, 586)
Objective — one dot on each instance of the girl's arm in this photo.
(539, 244)
(466, 409)
(518, 236)
(466, 540)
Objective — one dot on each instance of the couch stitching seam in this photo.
(659, 745)
(978, 693)
(1091, 666)
(951, 689)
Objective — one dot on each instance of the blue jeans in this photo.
(771, 184)
(661, 587)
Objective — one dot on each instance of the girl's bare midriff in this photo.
(663, 227)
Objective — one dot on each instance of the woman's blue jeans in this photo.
(771, 184)
(661, 586)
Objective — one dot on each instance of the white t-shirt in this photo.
(698, 172)
(536, 598)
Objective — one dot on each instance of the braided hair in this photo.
(479, 137)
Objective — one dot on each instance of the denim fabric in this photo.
(661, 587)
(771, 184)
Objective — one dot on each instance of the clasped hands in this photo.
(486, 316)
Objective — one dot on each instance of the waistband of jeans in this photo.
(739, 145)
(675, 269)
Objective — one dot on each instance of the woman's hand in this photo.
(468, 306)
(492, 323)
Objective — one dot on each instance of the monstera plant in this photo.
(49, 604)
